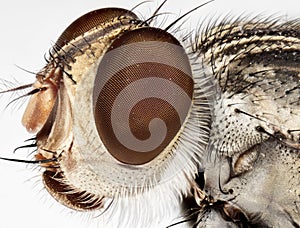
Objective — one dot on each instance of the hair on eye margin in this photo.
(25, 147)
(30, 139)
(187, 36)
(42, 161)
(64, 57)
(192, 216)
(149, 20)
(27, 71)
(49, 151)
(77, 48)
(57, 61)
(34, 91)
(106, 208)
(46, 59)
(146, 22)
(180, 222)
(70, 76)
(17, 88)
(139, 4)
(184, 15)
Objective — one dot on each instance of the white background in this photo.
(28, 29)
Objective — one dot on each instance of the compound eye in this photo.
(142, 94)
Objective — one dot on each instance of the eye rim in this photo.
(91, 20)
(142, 35)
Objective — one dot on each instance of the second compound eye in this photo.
(142, 94)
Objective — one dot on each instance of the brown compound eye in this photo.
(47, 83)
(142, 94)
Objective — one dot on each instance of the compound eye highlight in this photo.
(142, 94)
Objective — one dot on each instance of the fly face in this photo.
(116, 115)
(251, 169)
(125, 115)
